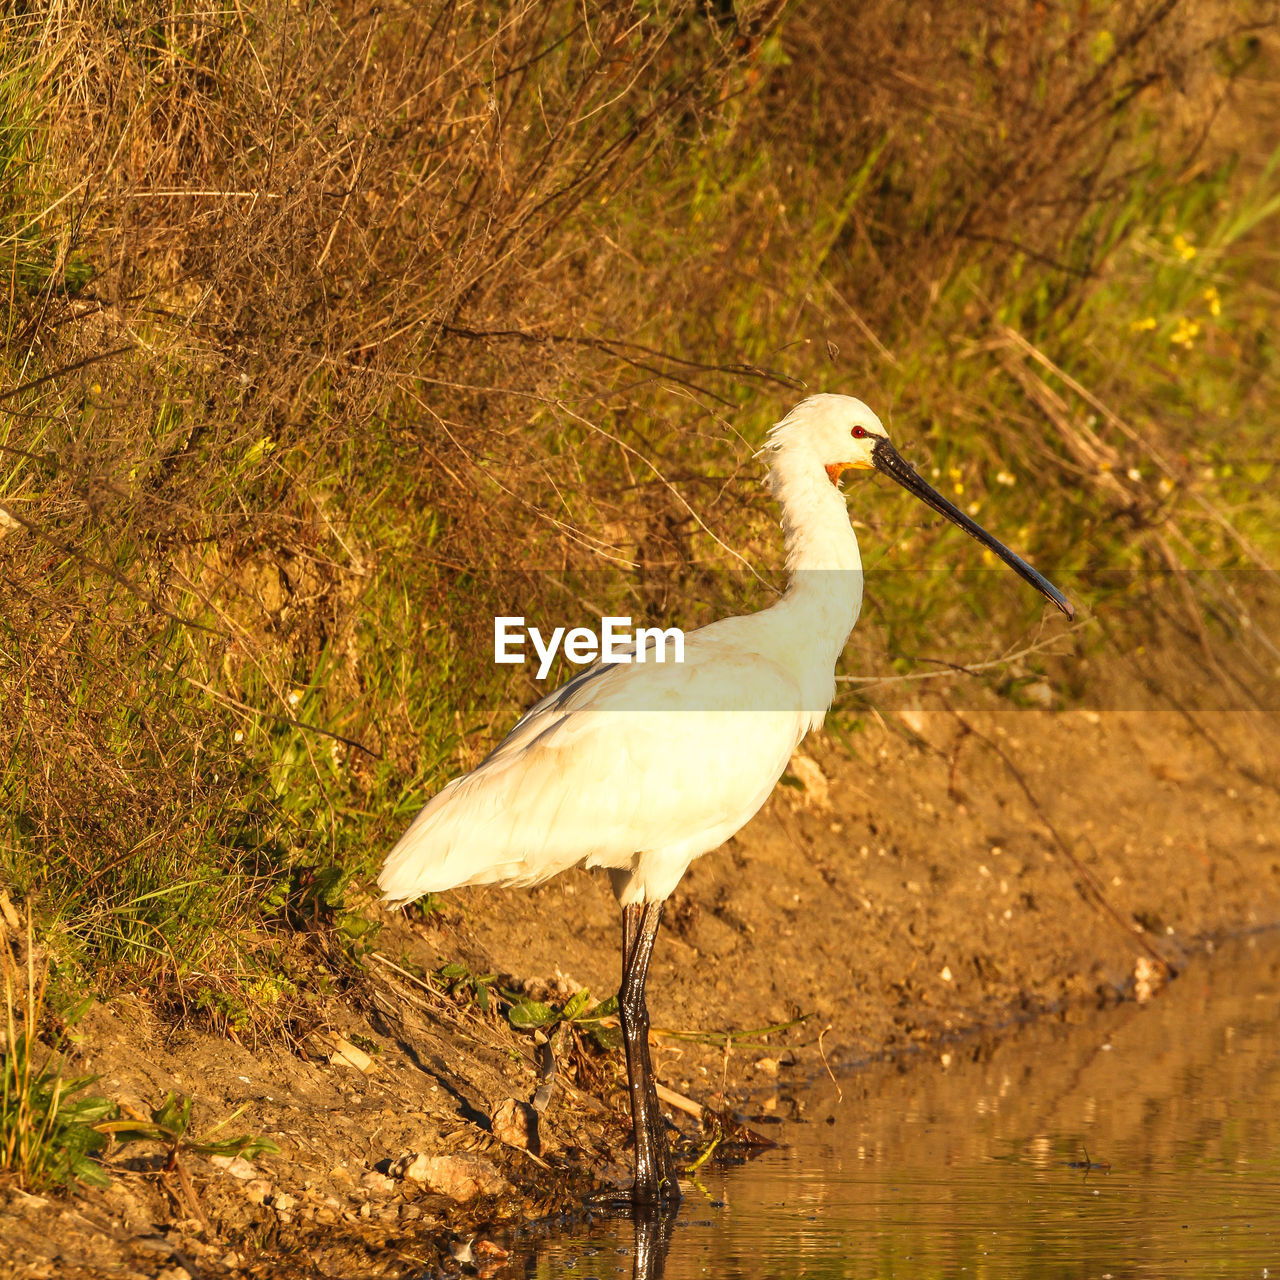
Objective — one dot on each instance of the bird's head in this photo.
(839, 434)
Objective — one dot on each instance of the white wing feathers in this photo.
(620, 761)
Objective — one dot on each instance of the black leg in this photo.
(656, 1181)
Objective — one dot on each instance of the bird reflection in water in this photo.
(654, 1225)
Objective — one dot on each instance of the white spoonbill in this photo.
(642, 768)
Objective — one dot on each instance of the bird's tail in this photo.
(480, 829)
(425, 859)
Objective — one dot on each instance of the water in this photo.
(971, 1161)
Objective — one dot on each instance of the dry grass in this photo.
(332, 333)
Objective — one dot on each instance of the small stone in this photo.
(460, 1177)
(346, 1054)
(914, 720)
(257, 1191)
(516, 1124)
(236, 1166)
(283, 1202)
(815, 790)
(1148, 978)
(377, 1184)
(1038, 693)
(767, 1066)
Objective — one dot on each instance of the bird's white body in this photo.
(642, 768)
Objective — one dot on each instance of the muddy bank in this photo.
(943, 872)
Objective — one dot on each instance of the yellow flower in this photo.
(1185, 332)
(1183, 247)
(260, 447)
(1210, 295)
(1139, 326)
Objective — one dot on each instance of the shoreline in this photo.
(398, 1065)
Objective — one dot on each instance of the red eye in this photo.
(859, 433)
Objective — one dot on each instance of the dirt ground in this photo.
(955, 871)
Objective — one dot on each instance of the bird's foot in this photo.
(614, 1202)
(663, 1193)
(640, 1196)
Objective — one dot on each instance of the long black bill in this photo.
(894, 465)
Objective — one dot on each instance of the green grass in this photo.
(53, 1131)
(48, 1120)
(422, 357)
(32, 260)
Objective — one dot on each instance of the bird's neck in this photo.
(824, 590)
(815, 521)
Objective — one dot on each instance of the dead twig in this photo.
(965, 669)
